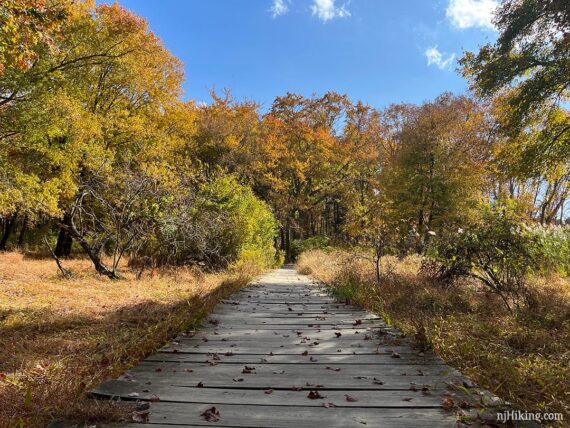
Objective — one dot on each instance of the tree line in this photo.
(99, 152)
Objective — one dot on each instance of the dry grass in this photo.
(62, 337)
(523, 358)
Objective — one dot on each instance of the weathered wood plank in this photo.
(250, 359)
(300, 417)
(271, 397)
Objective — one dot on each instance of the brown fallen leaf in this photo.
(328, 405)
(154, 398)
(357, 322)
(200, 385)
(211, 415)
(269, 391)
(305, 353)
(216, 357)
(407, 399)
(350, 398)
(229, 354)
(447, 403)
(338, 334)
(313, 359)
(296, 388)
(336, 369)
(395, 355)
(248, 370)
(314, 395)
(141, 416)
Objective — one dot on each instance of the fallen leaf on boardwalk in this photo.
(290, 309)
(216, 357)
(378, 382)
(153, 398)
(447, 403)
(238, 379)
(142, 406)
(350, 398)
(279, 372)
(214, 322)
(200, 385)
(305, 353)
(141, 417)
(313, 359)
(248, 370)
(229, 354)
(338, 334)
(360, 377)
(336, 369)
(395, 355)
(189, 370)
(296, 388)
(413, 388)
(357, 322)
(407, 399)
(271, 354)
(314, 395)
(211, 415)
(328, 405)
(465, 405)
(268, 391)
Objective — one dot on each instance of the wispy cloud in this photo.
(471, 13)
(278, 8)
(437, 58)
(326, 10)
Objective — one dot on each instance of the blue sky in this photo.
(377, 51)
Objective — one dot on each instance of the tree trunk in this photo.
(23, 231)
(288, 255)
(64, 239)
(8, 229)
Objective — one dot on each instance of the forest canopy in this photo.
(99, 153)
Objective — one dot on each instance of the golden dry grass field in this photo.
(61, 337)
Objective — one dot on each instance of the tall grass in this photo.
(60, 338)
(522, 357)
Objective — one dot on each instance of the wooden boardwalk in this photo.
(282, 353)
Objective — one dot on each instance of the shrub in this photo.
(300, 246)
(494, 250)
(220, 223)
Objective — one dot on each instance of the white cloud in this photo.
(279, 8)
(435, 57)
(327, 10)
(471, 13)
